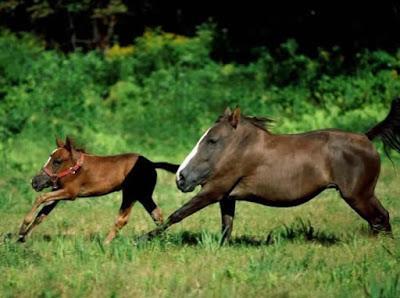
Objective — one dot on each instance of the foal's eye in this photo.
(57, 162)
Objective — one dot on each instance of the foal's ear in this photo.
(59, 143)
(234, 118)
(69, 144)
(227, 112)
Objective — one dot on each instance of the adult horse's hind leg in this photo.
(43, 213)
(123, 216)
(356, 175)
(227, 206)
(369, 208)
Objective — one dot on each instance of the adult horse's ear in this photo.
(234, 118)
(227, 112)
(59, 143)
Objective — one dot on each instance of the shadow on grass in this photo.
(10, 237)
(297, 231)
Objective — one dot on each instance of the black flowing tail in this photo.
(170, 167)
(388, 130)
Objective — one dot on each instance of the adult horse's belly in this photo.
(289, 182)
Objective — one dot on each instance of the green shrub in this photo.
(159, 94)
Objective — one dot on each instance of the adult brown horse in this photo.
(239, 159)
(73, 173)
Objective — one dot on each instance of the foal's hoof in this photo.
(107, 242)
(23, 229)
(21, 239)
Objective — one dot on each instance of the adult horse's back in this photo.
(239, 159)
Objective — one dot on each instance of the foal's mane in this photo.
(78, 147)
(82, 150)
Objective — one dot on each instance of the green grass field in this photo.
(157, 97)
(319, 249)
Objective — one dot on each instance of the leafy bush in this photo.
(161, 93)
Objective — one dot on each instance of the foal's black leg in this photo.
(142, 183)
(143, 189)
(227, 206)
(43, 213)
(138, 185)
(152, 209)
(123, 216)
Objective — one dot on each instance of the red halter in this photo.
(72, 170)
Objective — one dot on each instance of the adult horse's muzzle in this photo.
(183, 185)
(41, 181)
(188, 180)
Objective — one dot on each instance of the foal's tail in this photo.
(170, 167)
(388, 129)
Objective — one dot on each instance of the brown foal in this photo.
(72, 173)
(239, 159)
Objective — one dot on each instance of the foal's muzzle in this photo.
(41, 181)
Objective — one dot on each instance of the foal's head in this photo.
(220, 145)
(62, 158)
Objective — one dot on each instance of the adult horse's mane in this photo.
(263, 123)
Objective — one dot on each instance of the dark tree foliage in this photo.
(242, 25)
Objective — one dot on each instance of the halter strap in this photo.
(70, 171)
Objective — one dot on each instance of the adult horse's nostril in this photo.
(181, 180)
(181, 177)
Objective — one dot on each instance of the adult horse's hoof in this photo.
(381, 229)
(150, 235)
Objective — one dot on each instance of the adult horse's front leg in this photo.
(49, 197)
(227, 206)
(201, 200)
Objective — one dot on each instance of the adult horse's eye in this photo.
(212, 141)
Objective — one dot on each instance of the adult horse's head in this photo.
(217, 150)
(62, 161)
